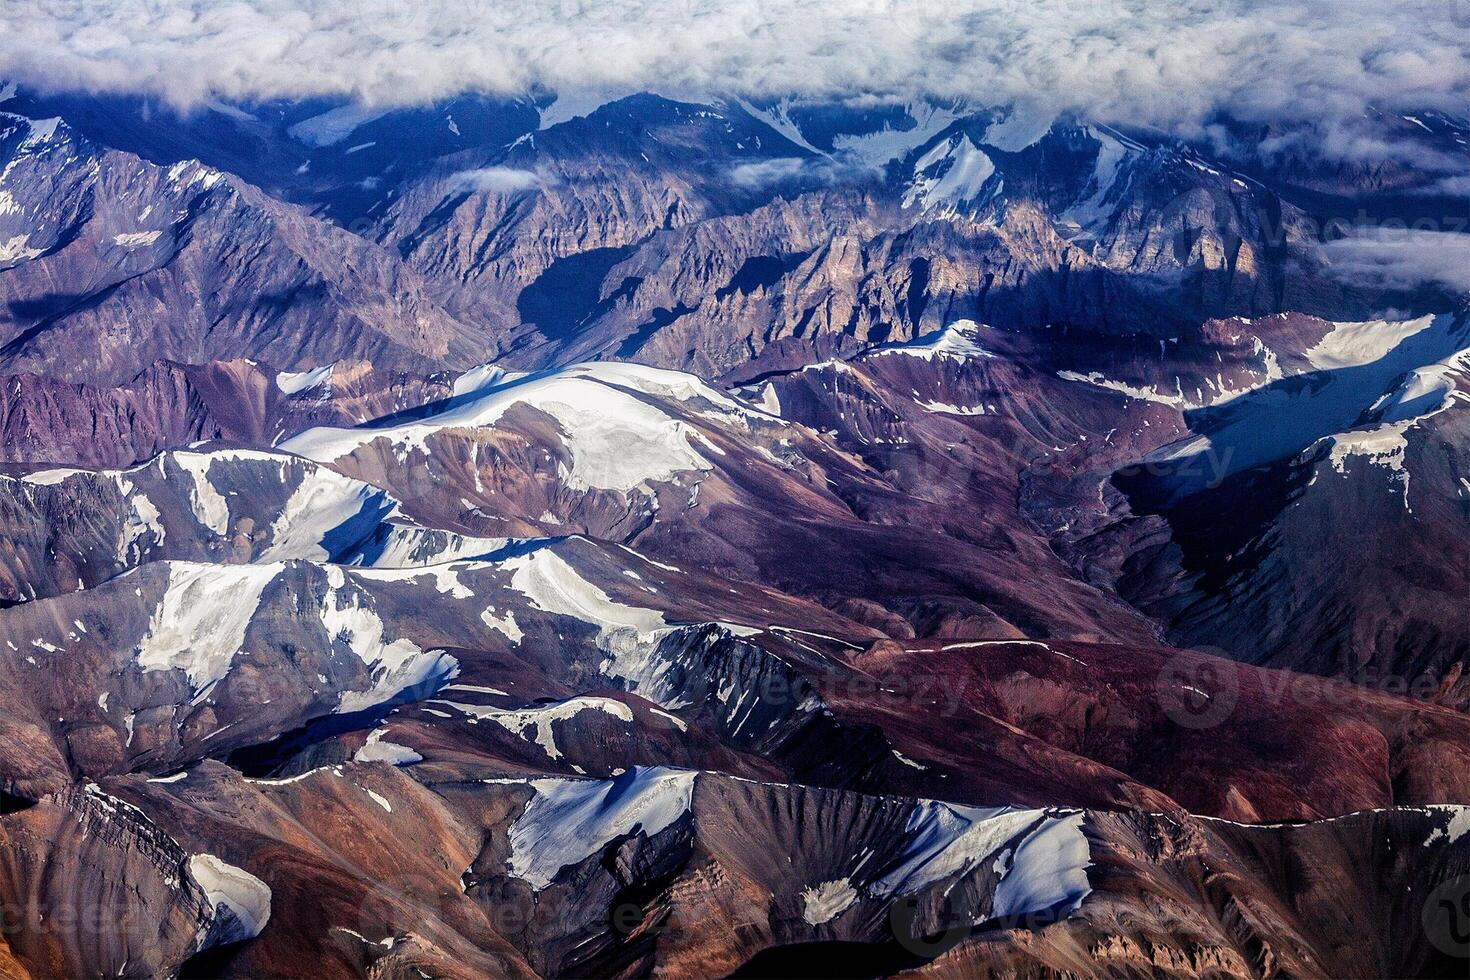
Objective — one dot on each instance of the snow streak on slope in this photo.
(349, 616)
(627, 634)
(876, 148)
(201, 622)
(377, 749)
(333, 126)
(410, 546)
(824, 902)
(632, 637)
(1281, 419)
(1040, 855)
(199, 625)
(956, 342)
(325, 513)
(1418, 396)
(569, 820)
(194, 465)
(949, 177)
(539, 719)
(1099, 204)
(294, 382)
(322, 503)
(554, 586)
(1144, 393)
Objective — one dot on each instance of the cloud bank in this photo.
(1163, 62)
(1402, 258)
(499, 180)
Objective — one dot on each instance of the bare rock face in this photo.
(531, 226)
(138, 263)
(641, 251)
(94, 886)
(173, 406)
(168, 405)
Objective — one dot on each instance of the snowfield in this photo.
(616, 440)
(241, 901)
(569, 820)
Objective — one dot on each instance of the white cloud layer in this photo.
(499, 180)
(1402, 258)
(1168, 62)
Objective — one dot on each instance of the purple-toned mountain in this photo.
(536, 538)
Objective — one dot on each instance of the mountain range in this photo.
(522, 537)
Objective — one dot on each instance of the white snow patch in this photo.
(50, 478)
(1418, 395)
(331, 128)
(571, 105)
(292, 382)
(377, 750)
(778, 118)
(950, 176)
(944, 408)
(41, 131)
(1041, 855)
(569, 820)
(1382, 445)
(769, 402)
(1047, 870)
(476, 689)
(199, 625)
(322, 502)
(616, 441)
(1458, 826)
(482, 378)
(1022, 127)
(409, 546)
(506, 624)
(239, 899)
(956, 342)
(1353, 344)
(17, 248)
(674, 720)
(540, 718)
(1149, 393)
(825, 902)
(348, 615)
(176, 777)
(554, 586)
(212, 510)
(444, 578)
(136, 239)
(877, 148)
(1097, 206)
